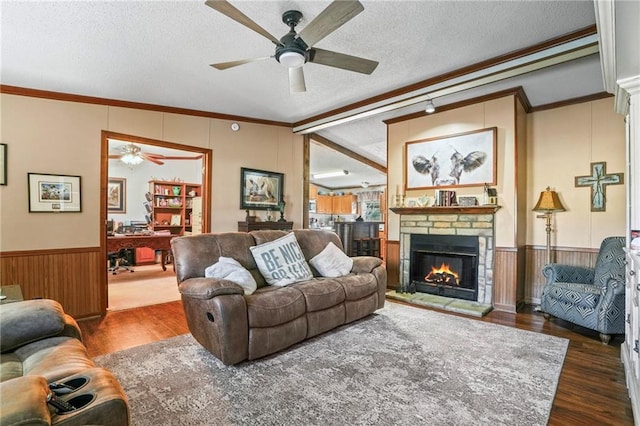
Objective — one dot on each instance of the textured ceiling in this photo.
(159, 52)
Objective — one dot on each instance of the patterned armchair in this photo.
(590, 297)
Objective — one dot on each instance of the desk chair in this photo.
(118, 261)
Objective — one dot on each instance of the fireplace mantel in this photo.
(446, 210)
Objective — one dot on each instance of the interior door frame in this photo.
(207, 161)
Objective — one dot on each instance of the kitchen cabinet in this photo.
(313, 192)
(344, 204)
(324, 204)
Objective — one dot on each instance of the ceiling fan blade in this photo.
(229, 10)
(231, 64)
(330, 19)
(296, 80)
(115, 156)
(195, 157)
(340, 60)
(153, 159)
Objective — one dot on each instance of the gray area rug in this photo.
(400, 366)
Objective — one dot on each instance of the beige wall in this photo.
(562, 144)
(49, 136)
(499, 113)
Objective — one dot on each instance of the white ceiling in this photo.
(159, 52)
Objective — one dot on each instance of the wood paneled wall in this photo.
(508, 292)
(70, 276)
(536, 258)
(392, 259)
(509, 289)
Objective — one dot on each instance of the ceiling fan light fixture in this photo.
(131, 159)
(330, 174)
(430, 108)
(291, 59)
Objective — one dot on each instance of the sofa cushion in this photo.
(10, 366)
(54, 358)
(358, 286)
(271, 306)
(281, 261)
(230, 269)
(24, 322)
(321, 293)
(332, 262)
(578, 294)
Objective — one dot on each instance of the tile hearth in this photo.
(445, 303)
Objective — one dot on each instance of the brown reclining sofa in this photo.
(46, 374)
(235, 327)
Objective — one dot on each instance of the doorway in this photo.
(127, 200)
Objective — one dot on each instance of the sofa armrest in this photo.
(555, 272)
(24, 401)
(71, 328)
(28, 321)
(612, 292)
(207, 288)
(365, 264)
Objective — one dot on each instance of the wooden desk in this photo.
(156, 242)
(254, 226)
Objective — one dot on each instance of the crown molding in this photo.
(605, 22)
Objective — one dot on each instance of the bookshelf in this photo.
(170, 206)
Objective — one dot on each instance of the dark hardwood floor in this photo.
(591, 391)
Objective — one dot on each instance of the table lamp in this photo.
(548, 203)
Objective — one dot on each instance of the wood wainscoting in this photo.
(536, 258)
(508, 279)
(518, 275)
(392, 260)
(70, 276)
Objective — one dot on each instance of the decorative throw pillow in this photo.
(281, 262)
(332, 262)
(230, 269)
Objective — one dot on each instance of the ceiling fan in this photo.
(132, 155)
(296, 49)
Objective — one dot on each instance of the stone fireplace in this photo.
(448, 251)
(446, 265)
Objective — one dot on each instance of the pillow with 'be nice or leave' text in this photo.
(281, 262)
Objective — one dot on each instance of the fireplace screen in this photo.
(445, 265)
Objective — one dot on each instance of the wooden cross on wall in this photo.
(598, 181)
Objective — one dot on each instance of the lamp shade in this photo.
(549, 202)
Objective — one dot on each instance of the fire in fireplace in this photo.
(442, 275)
(446, 265)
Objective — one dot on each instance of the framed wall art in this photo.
(3, 163)
(463, 159)
(260, 190)
(117, 195)
(54, 193)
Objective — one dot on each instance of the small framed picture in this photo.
(260, 189)
(176, 220)
(50, 193)
(117, 195)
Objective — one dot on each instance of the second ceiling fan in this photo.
(296, 49)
